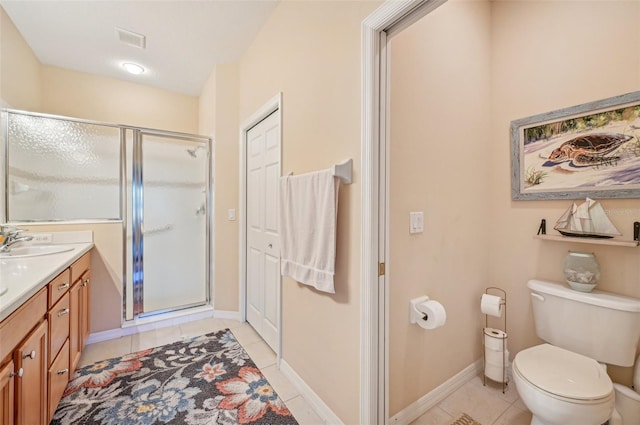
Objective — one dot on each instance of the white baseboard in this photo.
(429, 400)
(316, 403)
(152, 322)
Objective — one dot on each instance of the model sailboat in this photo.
(587, 220)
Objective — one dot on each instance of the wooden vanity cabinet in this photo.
(40, 346)
(24, 363)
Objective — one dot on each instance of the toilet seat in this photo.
(563, 374)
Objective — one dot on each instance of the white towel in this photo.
(308, 215)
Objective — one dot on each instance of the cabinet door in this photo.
(75, 314)
(31, 388)
(6, 394)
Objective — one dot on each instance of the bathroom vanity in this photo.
(44, 324)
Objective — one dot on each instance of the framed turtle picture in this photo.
(589, 150)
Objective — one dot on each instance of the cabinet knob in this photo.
(63, 371)
(19, 373)
(32, 355)
(85, 282)
(63, 312)
(63, 287)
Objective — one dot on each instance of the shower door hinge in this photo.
(380, 269)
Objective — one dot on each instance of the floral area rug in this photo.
(205, 380)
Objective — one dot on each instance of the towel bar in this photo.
(343, 171)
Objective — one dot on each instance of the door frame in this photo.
(272, 105)
(389, 19)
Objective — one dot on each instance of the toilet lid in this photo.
(563, 373)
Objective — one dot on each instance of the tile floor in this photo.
(485, 404)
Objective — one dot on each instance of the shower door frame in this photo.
(137, 167)
(137, 218)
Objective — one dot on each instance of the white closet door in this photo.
(263, 249)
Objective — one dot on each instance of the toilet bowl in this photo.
(627, 409)
(561, 387)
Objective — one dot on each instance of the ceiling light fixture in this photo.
(133, 68)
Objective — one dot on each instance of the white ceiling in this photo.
(184, 39)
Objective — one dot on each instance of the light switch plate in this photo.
(231, 214)
(416, 222)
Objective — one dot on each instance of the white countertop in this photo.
(24, 277)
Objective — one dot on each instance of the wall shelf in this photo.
(592, 241)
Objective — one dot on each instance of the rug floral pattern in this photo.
(206, 380)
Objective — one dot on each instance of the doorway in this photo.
(260, 263)
(388, 19)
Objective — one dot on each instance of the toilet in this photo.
(627, 410)
(564, 380)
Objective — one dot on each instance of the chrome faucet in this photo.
(11, 236)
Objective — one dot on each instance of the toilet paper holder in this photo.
(492, 290)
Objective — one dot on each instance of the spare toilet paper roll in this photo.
(435, 314)
(491, 305)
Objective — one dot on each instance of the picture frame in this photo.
(589, 150)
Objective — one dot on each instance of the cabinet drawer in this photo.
(80, 266)
(59, 286)
(58, 325)
(58, 378)
(26, 317)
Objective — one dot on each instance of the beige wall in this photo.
(219, 118)
(440, 122)
(20, 71)
(310, 51)
(535, 71)
(81, 95)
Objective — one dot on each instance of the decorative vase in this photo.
(581, 270)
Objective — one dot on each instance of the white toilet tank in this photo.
(598, 324)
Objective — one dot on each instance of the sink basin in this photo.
(34, 251)
(3, 289)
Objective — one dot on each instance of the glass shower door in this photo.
(169, 218)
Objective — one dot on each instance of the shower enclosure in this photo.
(155, 183)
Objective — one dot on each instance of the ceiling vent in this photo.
(131, 38)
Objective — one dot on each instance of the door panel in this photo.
(263, 250)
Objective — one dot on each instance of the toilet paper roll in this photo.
(491, 305)
(435, 314)
(495, 339)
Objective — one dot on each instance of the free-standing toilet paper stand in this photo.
(494, 341)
